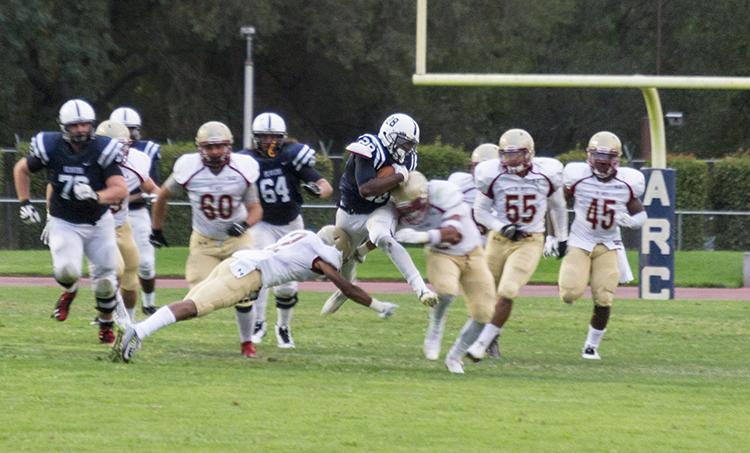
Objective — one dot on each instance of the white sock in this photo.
(284, 316)
(401, 259)
(259, 306)
(489, 332)
(594, 337)
(148, 299)
(72, 289)
(377, 305)
(245, 324)
(469, 334)
(131, 313)
(438, 311)
(162, 318)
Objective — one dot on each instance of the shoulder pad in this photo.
(246, 166)
(368, 146)
(486, 172)
(444, 195)
(461, 179)
(111, 151)
(299, 155)
(151, 148)
(548, 165)
(139, 162)
(574, 172)
(411, 161)
(634, 178)
(186, 166)
(43, 144)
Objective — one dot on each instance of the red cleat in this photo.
(248, 349)
(63, 305)
(106, 335)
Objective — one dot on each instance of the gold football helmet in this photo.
(603, 154)
(411, 198)
(516, 150)
(214, 140)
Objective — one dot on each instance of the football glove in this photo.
(237, 229)
(44, 237)
(28, 213)
(562, 249)
(312, 188)
(626, 220)
(157, 239)
(551, 247)
(84, 192)
(513, 232)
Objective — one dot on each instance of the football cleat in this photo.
(388, 311)
(284, 337)
(259, 331)
(333, 303)
(590, 353)
(433, 337)
(476, 351)
(131, 343)
(63, 305)
(428, 298)
(493, 350)
(248, 349)
(149, 310)
(106, 334)
(454, 366)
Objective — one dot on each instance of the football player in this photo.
(138, 214)
(364, 213)
(298, 256)
(223, 200)
(606, 197)
(514, 193)
(465, 181)
(434, 213)
(284, 165)
(85, 179)
(135, 168)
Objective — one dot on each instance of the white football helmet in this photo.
(399, 133)
(130, 118)
(411, 198)
(516, 150)
(208, 136)
(336, 237)
(603, 154)
(485, 151)
(76, 111)
(116, 131)
(269, 132)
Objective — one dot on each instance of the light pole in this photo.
(248, 33)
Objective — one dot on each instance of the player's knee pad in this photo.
(104, 287)
(67, 274)
(106, 305)
(384, 241)
(147, 268)
(508, 289)
(286, 302)
(603, 297)
(569, 293)
(244, 306)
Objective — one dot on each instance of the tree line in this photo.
(334, 69)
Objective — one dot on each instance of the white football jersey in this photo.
(135, 169)
(216, 200)
(597, 202)
(516, 199)
(447, 205)
(291, 258)
(465, 182)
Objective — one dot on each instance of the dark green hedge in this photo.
(692, 195)
(439, 160)
(728, 191)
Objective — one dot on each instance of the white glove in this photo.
(412, 236)
(626, 220)
(84, 192)
(550, 247)
(28, 213)
(148, 197)
(401, 170)
(44, 237)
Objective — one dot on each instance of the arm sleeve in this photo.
(363, 170)
(483, 213)
(309, 174)
(173, 186)
(112, 169)
(154, 172)
(251, 195)
(558, 214)
(35, 164)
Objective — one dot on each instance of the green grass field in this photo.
(674, 377)
(693, 269)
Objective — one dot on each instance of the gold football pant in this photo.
(512, 263)
(599, 266)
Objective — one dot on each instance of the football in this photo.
(386, 171)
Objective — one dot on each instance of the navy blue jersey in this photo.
(367, 156)
(152, 150)
(96, 161)
(279, 180)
